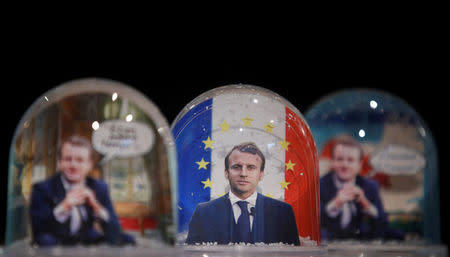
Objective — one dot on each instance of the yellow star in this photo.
(224, 126)
(290, 165)
(269, 128)
(208, 143)
(247, 121)
(207, 183)
(269, 195)
(284, 184)
(284, 144)
(202, 164)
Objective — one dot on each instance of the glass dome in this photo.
(397, 169)
(230, 122)
(92, 161)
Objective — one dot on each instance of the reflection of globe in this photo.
(399, 153)
(133, 174)
(208, 128)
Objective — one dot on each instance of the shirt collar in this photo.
(251, 199)
(66, 184)
(338, 183)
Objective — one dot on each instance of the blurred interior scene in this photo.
(395, 196)
(138, 185)
(378, 168)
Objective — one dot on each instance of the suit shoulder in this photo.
(326, 179)
(96, 183)
(45, 184)
(212, 207)
(213, 203)
(41, 184)
(368, 183)
(275, 203)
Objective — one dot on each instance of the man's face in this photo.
(346, 162)
(244, 173)
(75, 162)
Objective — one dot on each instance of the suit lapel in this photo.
(226, 219)
(89, 212)
(59, 192)
(258, 221)
(330, 184)
(359, 182)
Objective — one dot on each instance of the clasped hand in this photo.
(80, 195)
(349, 193)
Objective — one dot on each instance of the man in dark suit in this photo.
(243, 215)
(350, 204)
(65, 207)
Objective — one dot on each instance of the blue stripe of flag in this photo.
(189, 132)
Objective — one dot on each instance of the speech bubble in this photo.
(398, 160)
(118, 138)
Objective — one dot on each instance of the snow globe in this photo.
(248, 177)
(92, 169)
(378, 165)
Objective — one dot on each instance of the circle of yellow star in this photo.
(208, 143)
(202, 164)
(269, 127)
(269, 195)
(290, 165)
(224, 126)
(284, 144)
(247, 121)
(284, 184)
(220, 195)
(207, 183)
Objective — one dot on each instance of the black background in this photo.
(171, 71)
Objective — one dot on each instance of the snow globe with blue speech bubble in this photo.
(379, 171)
(91, 171)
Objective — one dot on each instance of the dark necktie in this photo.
(243, 223)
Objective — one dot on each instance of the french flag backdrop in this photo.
(206, 133)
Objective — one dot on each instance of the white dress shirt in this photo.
(237, 210)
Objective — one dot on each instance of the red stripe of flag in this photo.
(303, 191)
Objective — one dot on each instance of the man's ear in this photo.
(226, 174)
(261, 175)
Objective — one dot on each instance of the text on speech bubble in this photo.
(122, 139)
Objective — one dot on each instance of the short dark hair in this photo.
(348, 141)
(79, 141)
(246, 147)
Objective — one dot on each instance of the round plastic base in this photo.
(24, 249)
(254, 251)
(332, 250)
(393, 249)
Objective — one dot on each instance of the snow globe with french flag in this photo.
(207, 130)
